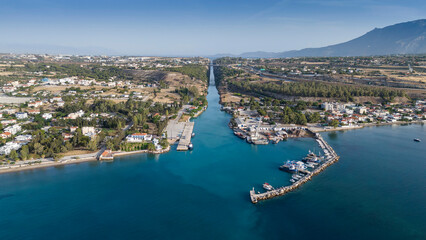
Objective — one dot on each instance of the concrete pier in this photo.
(332, 158)
(185, 139)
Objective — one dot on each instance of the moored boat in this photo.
(267, 186)
(289, 166)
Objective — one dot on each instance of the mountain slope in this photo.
(402, 38)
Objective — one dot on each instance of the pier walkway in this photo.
(331, 157)
(185, 139)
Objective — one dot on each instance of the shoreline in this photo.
(17, 168)
(317, 130)
(45, 165)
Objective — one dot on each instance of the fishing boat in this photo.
(267, 186)
(417, 140)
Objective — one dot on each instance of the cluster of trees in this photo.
(52, 144)
(113, 143)
(187, 93)
(221, 73)
(230, 60)
(127, 147)
(290, 113)
(88, 71)
(315, 89)
(127, 108)
(192, 70)
(38, 123)
(200, 101)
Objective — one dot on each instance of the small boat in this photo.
(292, 180)
(417, 140)
(190, 146)
(193, 134)
(310, 165)
(267, 186)
(289, 166)
(297, 176)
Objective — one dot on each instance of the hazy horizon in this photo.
(192, 27)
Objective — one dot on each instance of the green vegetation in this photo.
(86, 71)
(221, 73)
(127, 147)
(192, 70)
(50, 144)
(315, 89)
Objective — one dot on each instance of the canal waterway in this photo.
(376, 190)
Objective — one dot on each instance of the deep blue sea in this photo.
(377, 190)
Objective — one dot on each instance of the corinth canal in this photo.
(371, 193)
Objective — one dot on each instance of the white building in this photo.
(47, 116)
(35, 104)
(8, 147)
(76, 114)
(13, 129)
(332, 106)
(56, 99)
(88, 131)
(21, 115)
(7, 122)
(139, 137)
(23, 138)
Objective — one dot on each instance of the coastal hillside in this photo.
(401, 38)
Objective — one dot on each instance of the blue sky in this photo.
(195, 27)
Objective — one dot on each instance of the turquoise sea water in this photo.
(376, 191)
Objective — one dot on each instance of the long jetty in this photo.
(331, 157)
(185, 139)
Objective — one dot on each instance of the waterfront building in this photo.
(139, 137)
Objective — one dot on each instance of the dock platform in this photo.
(185, 139)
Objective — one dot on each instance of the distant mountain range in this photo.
(401, 38)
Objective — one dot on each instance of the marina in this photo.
(303, 175)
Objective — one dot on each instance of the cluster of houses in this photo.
(351, 114)
(13, 87)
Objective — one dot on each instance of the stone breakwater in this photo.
(332, 157)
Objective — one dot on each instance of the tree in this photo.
(334, 123)
(110, 144)
(13, 155)
(38, 148)
(25, 152)
(151, 147)
(93, 145)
